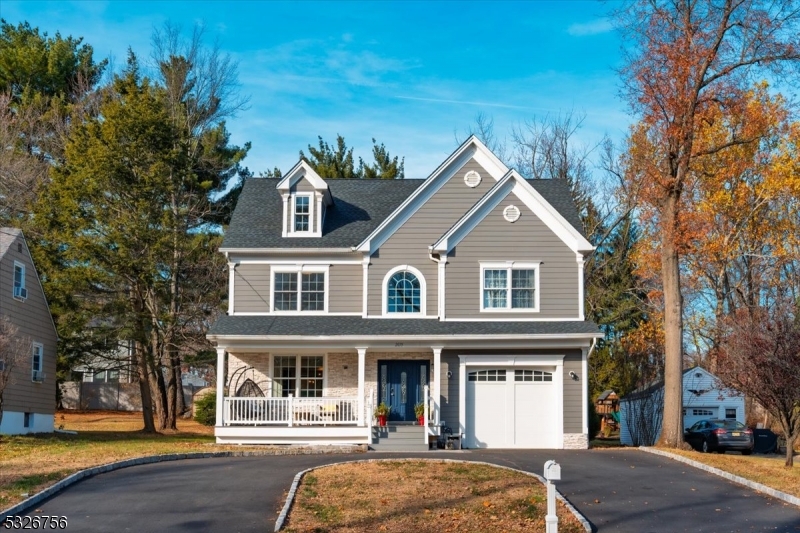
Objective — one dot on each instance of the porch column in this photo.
(362, 361)
(437, 382)
(220, 384)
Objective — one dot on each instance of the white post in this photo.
(220, 385)
(437, 384)
(425, 402)
(370, 407)
(291, 410)
(362, 360)
(231, 279)
(552, 472)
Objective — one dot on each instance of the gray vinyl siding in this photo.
(573, 393)
(251, 289)
(449, 389)
(409, 244)
(32, 318)
(527, 239)
(345, 287)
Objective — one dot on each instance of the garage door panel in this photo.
(513, 411)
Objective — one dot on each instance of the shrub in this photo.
(205, 409)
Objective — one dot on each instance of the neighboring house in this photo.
(703, 397)
(116, 366)
(30, 397)
(463, 291)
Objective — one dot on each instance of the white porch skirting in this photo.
(292, 435)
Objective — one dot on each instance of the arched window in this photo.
(403, 293)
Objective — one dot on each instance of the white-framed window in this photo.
(532, 375)
(300, 289)
(404, 292)
(510, 286)
(703, 412)
(487, 375)
(301, 213)
(302, 377)
(730, 413)
(20, 291)
(37, 360)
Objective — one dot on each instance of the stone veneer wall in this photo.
(576, 441)
(259, 371)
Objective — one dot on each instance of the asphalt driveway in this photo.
(617, 490)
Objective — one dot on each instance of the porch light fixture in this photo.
(573, 375)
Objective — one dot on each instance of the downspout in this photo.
(439, 283)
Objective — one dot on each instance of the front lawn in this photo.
(768, 470)
(422, 496)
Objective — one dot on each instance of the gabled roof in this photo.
(303, 170)
(359, 206)
(469, 149)
(523, 189)
(7, 238)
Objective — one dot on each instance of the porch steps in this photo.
(398, 439)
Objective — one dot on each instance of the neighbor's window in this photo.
(285, 380)
(730, 414)
(20, 292)
(309, 293)
(510, 288)
(302, 213)
(36, 366)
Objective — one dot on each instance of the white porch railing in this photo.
(290, 411)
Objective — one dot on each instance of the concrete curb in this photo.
(279, 523)
(89, 472)
(788, 498)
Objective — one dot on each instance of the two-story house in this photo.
(463, 292)
(29, 398)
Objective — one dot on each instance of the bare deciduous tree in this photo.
(760, 356)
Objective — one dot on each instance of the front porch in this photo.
(321, 398)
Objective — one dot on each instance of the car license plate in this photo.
(736, 434)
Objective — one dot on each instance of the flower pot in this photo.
(421, 420)
(382, 420)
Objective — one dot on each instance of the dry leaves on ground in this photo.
(420, 497)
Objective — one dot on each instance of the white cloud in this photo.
(593, 27)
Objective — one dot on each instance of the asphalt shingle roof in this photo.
(355, 325)
(359, 206)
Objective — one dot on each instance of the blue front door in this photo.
(401, 386)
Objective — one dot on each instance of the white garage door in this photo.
(693, 414)
(511, 408)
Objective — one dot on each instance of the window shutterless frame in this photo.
(19, 291)
(299, 290)
(302, 214)
(509, 287)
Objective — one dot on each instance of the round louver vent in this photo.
(511, 213)
(472, 178)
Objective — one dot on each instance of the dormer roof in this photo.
(303, 170)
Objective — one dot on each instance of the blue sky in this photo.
(413, 75)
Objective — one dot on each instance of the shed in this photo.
(704, 396)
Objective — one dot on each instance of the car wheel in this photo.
(705, 448)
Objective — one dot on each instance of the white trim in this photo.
(282, 251)
(23, 282)
(301, 261)
(528, 195)
(362, 357)
(221, 376)
(365, 286)
(231, 292)
(511, 361)
(469, 149)
(312, 216)
(510, 266)
(410, 338)
(515, 319)
(298, 269)
(581, 300)
(320, 213)
(285, 227)
(298, 313)
(585, 390)
(423, 313)
(437, 383)
(301, 170)
(442, 302)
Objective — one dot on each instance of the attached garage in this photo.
(513, 407)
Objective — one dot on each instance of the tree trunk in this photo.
(790, 450)
(144, 388)
(172, 392)
(156, 378)
(672, 427)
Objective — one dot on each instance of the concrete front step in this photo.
(398, 438)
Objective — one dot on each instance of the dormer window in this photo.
(302, 213)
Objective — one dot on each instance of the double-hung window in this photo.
(37, 371)
(302, 213)
(510, 286)
(302, 377)
(299, 290)
(20, 292)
